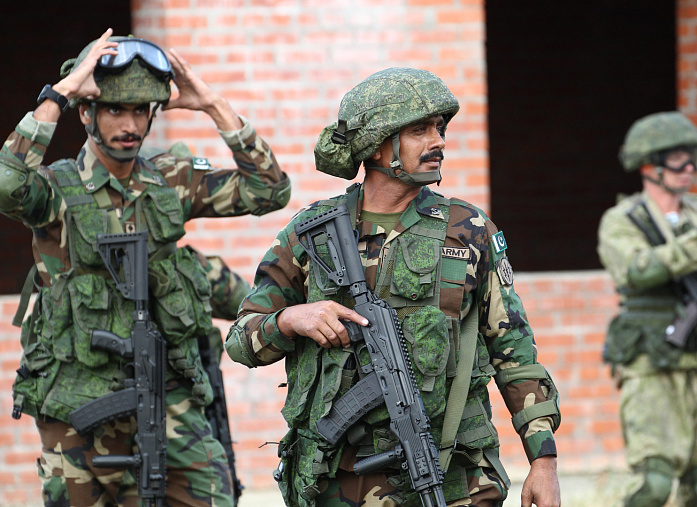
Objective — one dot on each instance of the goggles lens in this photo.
(128, 49)
(677, 160)
(681, 168)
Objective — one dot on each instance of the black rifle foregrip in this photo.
(105, 408)
(378, 461)
(115, 461)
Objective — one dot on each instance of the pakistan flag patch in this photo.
(499, 242)
(201, 164)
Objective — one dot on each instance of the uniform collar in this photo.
(94, 175)
(425, 204)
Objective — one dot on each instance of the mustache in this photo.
(127, 138)
(431, 155)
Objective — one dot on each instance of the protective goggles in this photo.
(149, 53)
(690, 152)
(681, 168)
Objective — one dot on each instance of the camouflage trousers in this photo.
(658, 412)
(349, 490)
(197, 468)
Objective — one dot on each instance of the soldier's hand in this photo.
(196, 95)
(320, 321)
(80, 82)
(541, 487)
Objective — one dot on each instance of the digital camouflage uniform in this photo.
(653, 373)
(644, 252)
(66, 205)
(442, 260)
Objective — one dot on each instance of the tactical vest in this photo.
(413, 279)
(60, 370)
(640, 326)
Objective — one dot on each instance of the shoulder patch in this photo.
(505, 271)
(499, 242)
(201, 164)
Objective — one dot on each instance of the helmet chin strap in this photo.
(659, 181)
(117, 154)
(414, 180)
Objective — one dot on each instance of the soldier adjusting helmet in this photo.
(376, 109)
(650, 137)
(140, 73)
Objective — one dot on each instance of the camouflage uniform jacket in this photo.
(432, 269)
(643, 272)
(67, 204)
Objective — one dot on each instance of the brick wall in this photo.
(568, 311)
(686, 16)
(286, 64)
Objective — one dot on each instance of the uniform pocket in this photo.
(86, 226)
(164, 214)
(89, 300)
(39, 366)
(172, 311)
(414, 272)
(426, 332)
(181, 296)
(623, 340)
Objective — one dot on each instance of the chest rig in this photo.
(641, 325)
(84, 298)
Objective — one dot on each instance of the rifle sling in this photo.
(459, 388)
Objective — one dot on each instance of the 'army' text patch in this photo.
(453, 252)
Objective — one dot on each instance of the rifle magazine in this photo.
(348, 409)
(107, 408)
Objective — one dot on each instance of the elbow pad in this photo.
(262, 198)
(549, 408)
(13, 184)
(238, 347)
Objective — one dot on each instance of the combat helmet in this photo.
(376, 109)
(140, 73)
(650, 137)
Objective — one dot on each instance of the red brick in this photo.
(461, 16)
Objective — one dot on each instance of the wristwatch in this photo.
(49, 93)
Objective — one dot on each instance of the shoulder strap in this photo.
(459, 388)
(65, 172)
(24, 297)
(648, 227)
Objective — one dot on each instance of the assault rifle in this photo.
(389, 376)
(216, 412)
(144, 394)
(686, 320)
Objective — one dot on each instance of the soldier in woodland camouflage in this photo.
(648, 242)
(118, 83)
(434, 260)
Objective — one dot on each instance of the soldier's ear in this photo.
(647, 169)
(85, 114)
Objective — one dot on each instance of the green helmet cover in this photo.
(134, 85)
(380, 106)
(655, 133)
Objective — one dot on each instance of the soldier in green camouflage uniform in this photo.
(110, 189)
(434, 260)
(658, 380)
